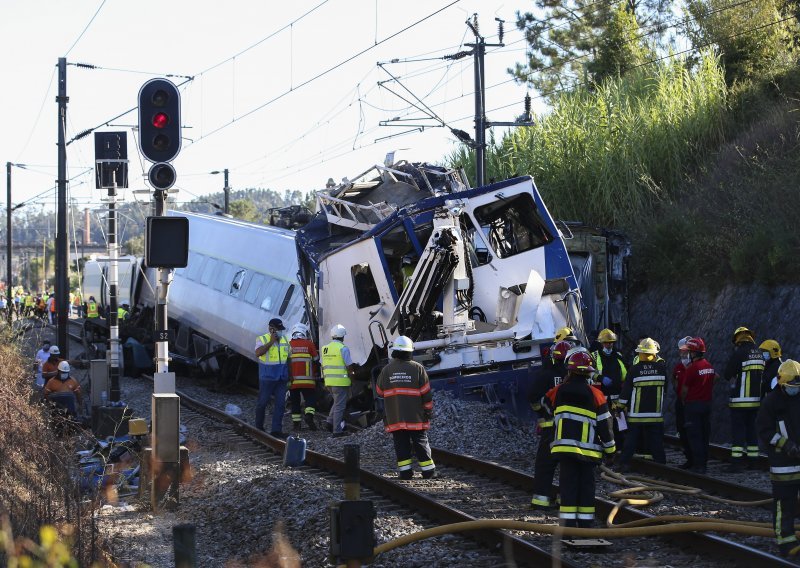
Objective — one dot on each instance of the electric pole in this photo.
(9, 296)
(227, 191)
(62, 244)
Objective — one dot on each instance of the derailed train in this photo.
(480, 279)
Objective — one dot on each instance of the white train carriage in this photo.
(239, 276)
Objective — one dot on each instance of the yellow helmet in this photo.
(563, 333)
(743, 334)
(606, 336)
(648, 346)
(789, 373)
(772, 346)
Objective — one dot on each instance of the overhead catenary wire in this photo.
(100, 7)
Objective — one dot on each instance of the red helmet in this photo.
(696, 344)
(581, 364)
(560, 350)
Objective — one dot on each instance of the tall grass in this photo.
(609, 155)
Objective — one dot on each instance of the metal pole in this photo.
(227, 191)
(62, 254)
(184, 546)
(9, 279)
(480, 116)
(164, 277)
(113, 278)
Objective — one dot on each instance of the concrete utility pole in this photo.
(62, 242)
(226, 191)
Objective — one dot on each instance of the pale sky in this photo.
(301, 135)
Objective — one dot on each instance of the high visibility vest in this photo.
(122, 313)
(53, 306)
(29, 300)
(91, 310)
(277, 353)
(302, 364)
(333, 368)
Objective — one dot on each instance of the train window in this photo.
(223, 277)
(477, 249)
(272, 291)
(364, 285)
(286, 299)
(238, 280)
(254, 288)
(208, 271)
(513, 225)
(196, 262)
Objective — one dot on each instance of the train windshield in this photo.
(513, 225)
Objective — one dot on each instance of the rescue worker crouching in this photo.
(408, 402)
(643, 397)
(337, 369)
(545, 466)
(303, 361)
(778, 424)
(581, 415)
(743, 372)
(272, 350)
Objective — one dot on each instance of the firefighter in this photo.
(771, 351)
(778, 425)
(580, 415)
(545, 465)
(408, 403)
(338, 369)
(677, 380)
(643, 398)
(611, 373)
(743, 373)
(303, 362)
(696, 392)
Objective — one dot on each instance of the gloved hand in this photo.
(607, 382)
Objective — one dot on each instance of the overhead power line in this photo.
(74, 43)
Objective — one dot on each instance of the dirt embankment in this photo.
(668, 313)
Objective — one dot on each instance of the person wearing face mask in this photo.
(41, 356)
(771, 351)
(778, 425)
(63, 390)
(611, 373)
(696, 392)
(273, 352)
(677, 380)
(743, 373)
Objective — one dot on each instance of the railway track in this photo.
(717, 452)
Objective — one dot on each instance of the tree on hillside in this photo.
(750, 36)
(245, 210)
(584, 42)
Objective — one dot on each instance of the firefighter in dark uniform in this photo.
(643, 398)
(778, 426)
(545, 466)
(583, 435)
(408, 402)
(743, 373)
(611, 373)
(771, 350)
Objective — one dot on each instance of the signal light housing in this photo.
(161, 175)
(159, 120)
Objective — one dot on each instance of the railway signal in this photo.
(160, 129)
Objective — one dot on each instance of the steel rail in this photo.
(525, 553)
(718, 547)
(718, 452)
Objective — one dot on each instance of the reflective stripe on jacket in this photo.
(613, 367)
(91, 310)
(744, 371)
(277, 352)
(333, 368)
(778, 427)
(407, 396)
(582, 420)
(301, 363)
(643, 391)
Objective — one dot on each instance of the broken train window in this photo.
(364, 285)
(513, 225)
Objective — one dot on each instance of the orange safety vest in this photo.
(301, 363)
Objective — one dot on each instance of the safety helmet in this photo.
(771, 346)
(403, 343)
(648, 345)
(743, 334)
(606, 336)
(574, 350)
(789, 373)
(299, 330)
(682, 343)
(696, 344)
(63, 367)
(560, 350)
(563, 333)
(338, 331)
(581, 364)
(54, 350)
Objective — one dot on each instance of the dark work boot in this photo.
(310, 421)
(297, 426)
(430, 474)
(736, 466)
(405, 474)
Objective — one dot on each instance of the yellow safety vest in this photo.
(91, 310)
(333, 368)
(122, 313)
(277, 353)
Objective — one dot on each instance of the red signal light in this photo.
(160, 120)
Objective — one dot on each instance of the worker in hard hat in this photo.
(678, 372)
(408, 402)
(771, 351)
(611, 373)
(778, 425)
(272, 350)
(64, 391)
(338, 370)
(743, 373)
(303, 362)
(643, 398)
(696, 394)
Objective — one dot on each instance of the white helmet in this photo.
(403, 343)
(338, 331)
(54, 350)
(63, 367)
(299, 330)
